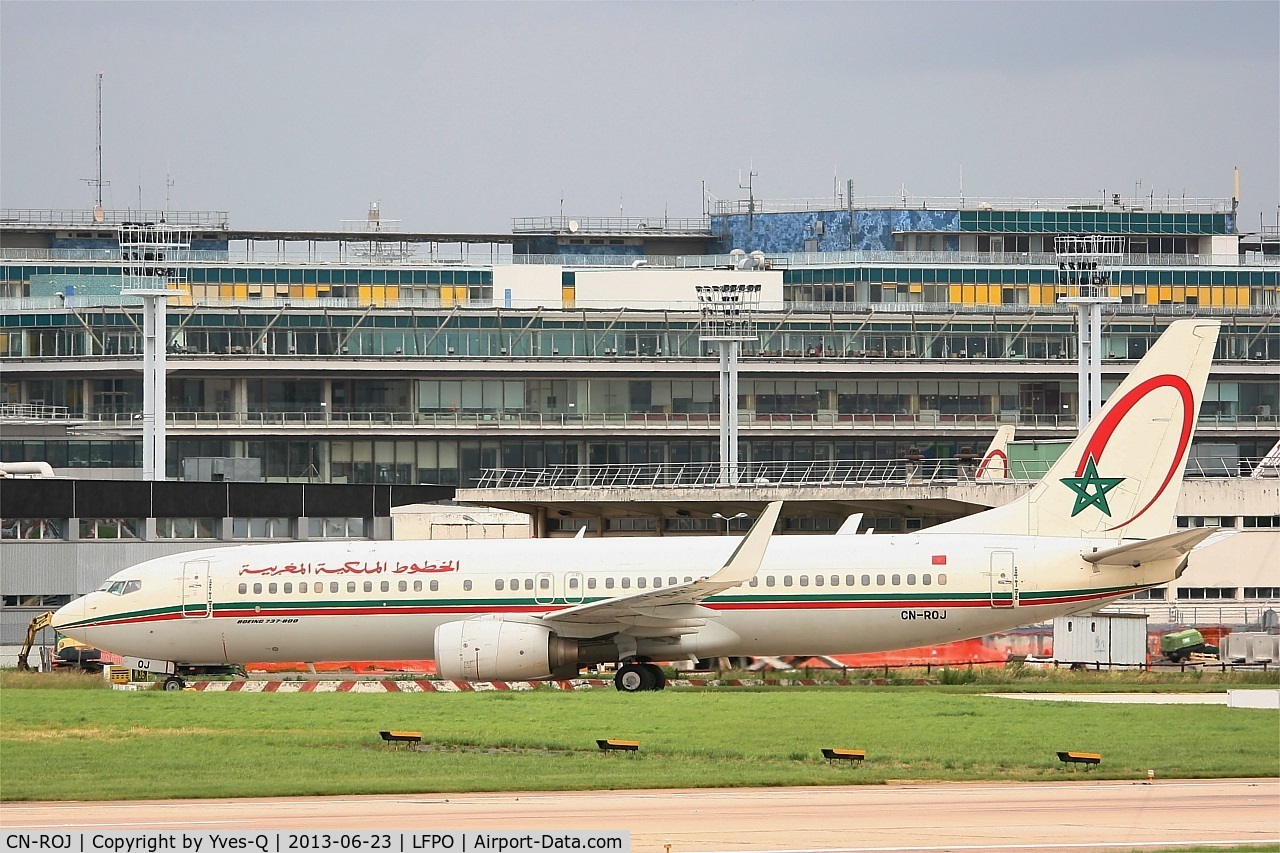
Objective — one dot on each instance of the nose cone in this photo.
(70, 620)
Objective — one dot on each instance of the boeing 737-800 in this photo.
(1095, 529)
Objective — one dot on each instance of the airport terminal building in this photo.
(887, 331)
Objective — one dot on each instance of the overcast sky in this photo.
(461, 116)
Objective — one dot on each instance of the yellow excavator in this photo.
(67, 653)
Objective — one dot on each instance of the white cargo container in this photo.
(1102, 639)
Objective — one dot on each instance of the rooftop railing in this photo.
(212, 219)
(565, 225)
(1144, 204)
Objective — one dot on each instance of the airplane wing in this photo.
(1149, 550)
(676, 609)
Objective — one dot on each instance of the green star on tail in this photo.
(1091, 490)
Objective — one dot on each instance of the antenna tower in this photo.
(97, 182)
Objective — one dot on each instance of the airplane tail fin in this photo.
(995, 462)
(1121, 477)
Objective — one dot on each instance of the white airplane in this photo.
(1095, 529)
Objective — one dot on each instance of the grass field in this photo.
(103, 744)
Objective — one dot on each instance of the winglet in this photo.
(745, 561)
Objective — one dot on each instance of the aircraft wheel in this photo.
(659, 677)
(634, 677)
(173, 682)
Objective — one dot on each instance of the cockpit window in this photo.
(122, 587)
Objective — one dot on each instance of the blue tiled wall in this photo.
(872, 229)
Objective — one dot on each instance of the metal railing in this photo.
(353, 255)
(566, 225)
(1098, 204)
(644, 421)
(216, 219)
(33, 412)
(830, 473)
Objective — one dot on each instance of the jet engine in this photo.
(495, 649)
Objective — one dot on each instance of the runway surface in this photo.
(1078, 816)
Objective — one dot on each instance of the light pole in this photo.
(727, 316)
(1089, 277)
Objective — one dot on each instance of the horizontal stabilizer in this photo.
(1168, 547)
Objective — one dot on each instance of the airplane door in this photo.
(573, 588)
(1004, 579)
(197, 589)
(543, 588)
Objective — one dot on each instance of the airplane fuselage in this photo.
(383, 600)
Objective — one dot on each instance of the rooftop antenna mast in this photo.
(97, 182)
(168, 185)
(749, 186)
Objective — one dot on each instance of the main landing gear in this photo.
(635, 676)
(173, 682)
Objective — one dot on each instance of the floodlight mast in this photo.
(153, 268)
(1089, 277)
(727, 317)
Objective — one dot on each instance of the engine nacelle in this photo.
(495, 649)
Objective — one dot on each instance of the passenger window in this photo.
(591, 583)
(302, 587)
(573, 583)
(786, 580)
(417, 586)
(368, 586)
(942, 580)
(850, 580)
(288, 588)
(819, 580)
(674, 581)
(688, 580)
(804, 580)
(386, 586)
(897, 579)
(499, 584)
(835, 580)
(544, 583)
(435, 586)
(333, 586)
(866, 580)
(528, 584)
(608, 583)
(466, 586)
(403, 586)
(351, 586)
(626, 583)
(257, 589)
(642, 582)
(911, 580)
(271, 588)
(657, 582)
(754, 582)
(244, 588)
(926, 579)
(770, 580)
(879, 580)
